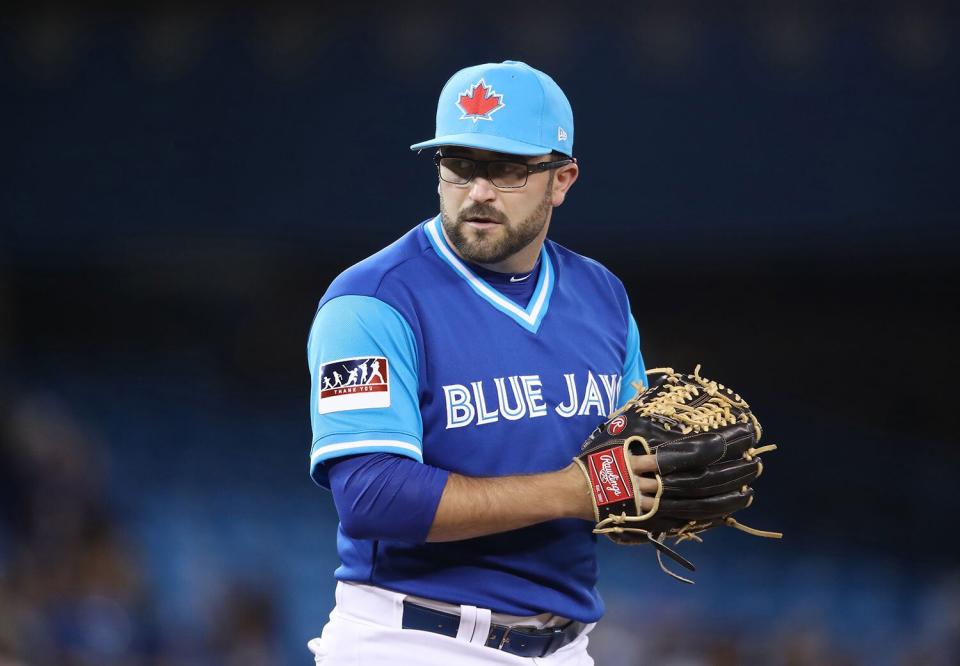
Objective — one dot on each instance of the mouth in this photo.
(482, 222)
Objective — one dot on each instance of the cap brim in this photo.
(497, 144)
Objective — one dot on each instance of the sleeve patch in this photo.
(354, 383)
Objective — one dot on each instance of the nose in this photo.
(481, 189)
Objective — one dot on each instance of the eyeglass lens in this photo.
(460, 170)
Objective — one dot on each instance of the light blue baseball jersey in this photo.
(412, 353)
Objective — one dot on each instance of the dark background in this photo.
(776, 184)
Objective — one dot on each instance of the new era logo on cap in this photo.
(479, 102)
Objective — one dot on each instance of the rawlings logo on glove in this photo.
(608, 476)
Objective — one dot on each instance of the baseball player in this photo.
(487, 355)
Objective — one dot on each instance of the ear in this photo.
(563, 180)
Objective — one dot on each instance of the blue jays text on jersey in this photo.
(412, 353)
(521, 396)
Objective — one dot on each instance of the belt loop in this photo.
(398, 610)
(468, 622)
(482, 627)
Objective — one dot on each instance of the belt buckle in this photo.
(558, 633)
(504, 639)
(556, 636)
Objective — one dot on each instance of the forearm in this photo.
(385, 496)
(474, 506)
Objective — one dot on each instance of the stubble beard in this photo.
(491, 246)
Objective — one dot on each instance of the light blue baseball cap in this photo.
(507, 107)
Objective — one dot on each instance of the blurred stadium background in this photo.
(776, 183)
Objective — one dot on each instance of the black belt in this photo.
(521, 641)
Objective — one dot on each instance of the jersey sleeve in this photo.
(364, 394)
(633, 367)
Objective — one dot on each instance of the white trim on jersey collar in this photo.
(531, 317)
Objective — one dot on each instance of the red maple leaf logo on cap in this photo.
(479, 101)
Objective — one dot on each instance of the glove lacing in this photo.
(670, 400)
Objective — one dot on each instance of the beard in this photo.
(491, 246)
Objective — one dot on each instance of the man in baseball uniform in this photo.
(487, 354)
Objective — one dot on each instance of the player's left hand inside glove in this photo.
(706, 442)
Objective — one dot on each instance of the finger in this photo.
(643, 464)
(647, 486)
(716, 479)
(706, 508)
(646, 503)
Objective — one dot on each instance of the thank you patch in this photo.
(354, 383)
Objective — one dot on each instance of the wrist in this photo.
(578, 493)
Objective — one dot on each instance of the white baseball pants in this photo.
(365, 629)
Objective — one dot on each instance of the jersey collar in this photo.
(529, 318)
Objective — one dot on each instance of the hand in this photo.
(583, 508)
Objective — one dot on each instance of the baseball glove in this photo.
(706, 442)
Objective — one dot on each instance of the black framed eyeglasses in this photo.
(503, 174)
